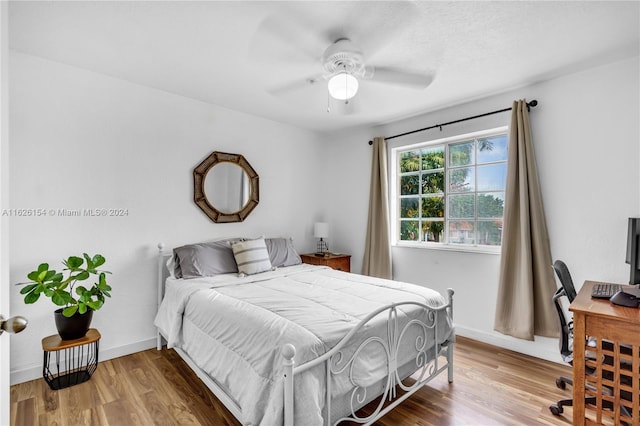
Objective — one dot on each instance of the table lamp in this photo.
(321, 230)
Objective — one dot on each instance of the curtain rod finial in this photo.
(533, 103)
(370, 142)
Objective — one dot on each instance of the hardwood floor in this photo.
(492, 386)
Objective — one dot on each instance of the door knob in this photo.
(13, 325)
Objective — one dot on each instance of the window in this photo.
(450, 192)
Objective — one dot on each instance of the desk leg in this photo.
(579, 347)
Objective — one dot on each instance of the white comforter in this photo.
(234, 328)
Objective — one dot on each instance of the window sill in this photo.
(450, 247)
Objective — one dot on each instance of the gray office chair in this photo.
(562, 271)
(566, 333)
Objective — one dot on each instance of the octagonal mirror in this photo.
(225, 187)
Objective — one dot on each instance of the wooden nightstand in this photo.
(341, 262)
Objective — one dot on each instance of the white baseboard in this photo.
(35, 372)
(542, 347)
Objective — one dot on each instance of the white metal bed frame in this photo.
(427, 361)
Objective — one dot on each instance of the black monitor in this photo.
(633, 249)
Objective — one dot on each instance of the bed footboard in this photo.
(427, 362)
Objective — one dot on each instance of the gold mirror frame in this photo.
(200, 197)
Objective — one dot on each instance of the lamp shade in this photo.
(321, 230)
(343, 86)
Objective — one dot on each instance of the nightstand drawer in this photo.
(340, 262)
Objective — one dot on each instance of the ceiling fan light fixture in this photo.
(343, 86)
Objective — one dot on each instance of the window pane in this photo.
(409, 161)
(461, 154)
(409, 207)
(492, 177)
(433, 158)
(490, 232)
(452, 192)
(433, 183)
(462, 180)
(433, 207)
(462, 206)
(491, 204)
(492, 149)
(432, 230)
(461, 232)
(409, 185)
(409, 230)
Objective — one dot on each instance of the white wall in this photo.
(83, 140)
(586, 137)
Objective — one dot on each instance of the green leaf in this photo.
(95, 304)
(50, 274)
(33, 276)
(81, 276)
(61, 297)
(80, 290)
(98, 260)
(28, 288)
(82, 308)
(57, 277)
(31, 298)
(43, 267)
(70, 311)
(74, 262)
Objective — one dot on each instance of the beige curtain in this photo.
(377, 252)
(526, 286)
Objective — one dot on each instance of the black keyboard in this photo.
(605, 290)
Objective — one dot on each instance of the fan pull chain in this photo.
(346, 84)
(328, 103)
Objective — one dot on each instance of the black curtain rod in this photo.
(531, 104)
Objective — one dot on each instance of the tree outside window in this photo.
(453, 192)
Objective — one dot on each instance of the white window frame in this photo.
(394, 185)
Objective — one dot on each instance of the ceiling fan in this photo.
(344, 66)
(338, 49)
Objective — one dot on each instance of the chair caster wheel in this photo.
(555, 409)
(561, 384)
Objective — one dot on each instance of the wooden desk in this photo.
(615, 360)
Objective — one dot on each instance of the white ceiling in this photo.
(255, 57)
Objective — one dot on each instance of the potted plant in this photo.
(78, 301)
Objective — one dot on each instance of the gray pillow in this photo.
(281, 252)
(204, 259)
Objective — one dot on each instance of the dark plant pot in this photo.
(73, 327)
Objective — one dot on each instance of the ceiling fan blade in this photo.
(295, 85)
(402, 78)
(281, 38)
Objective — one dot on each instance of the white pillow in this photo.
(251, 256)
